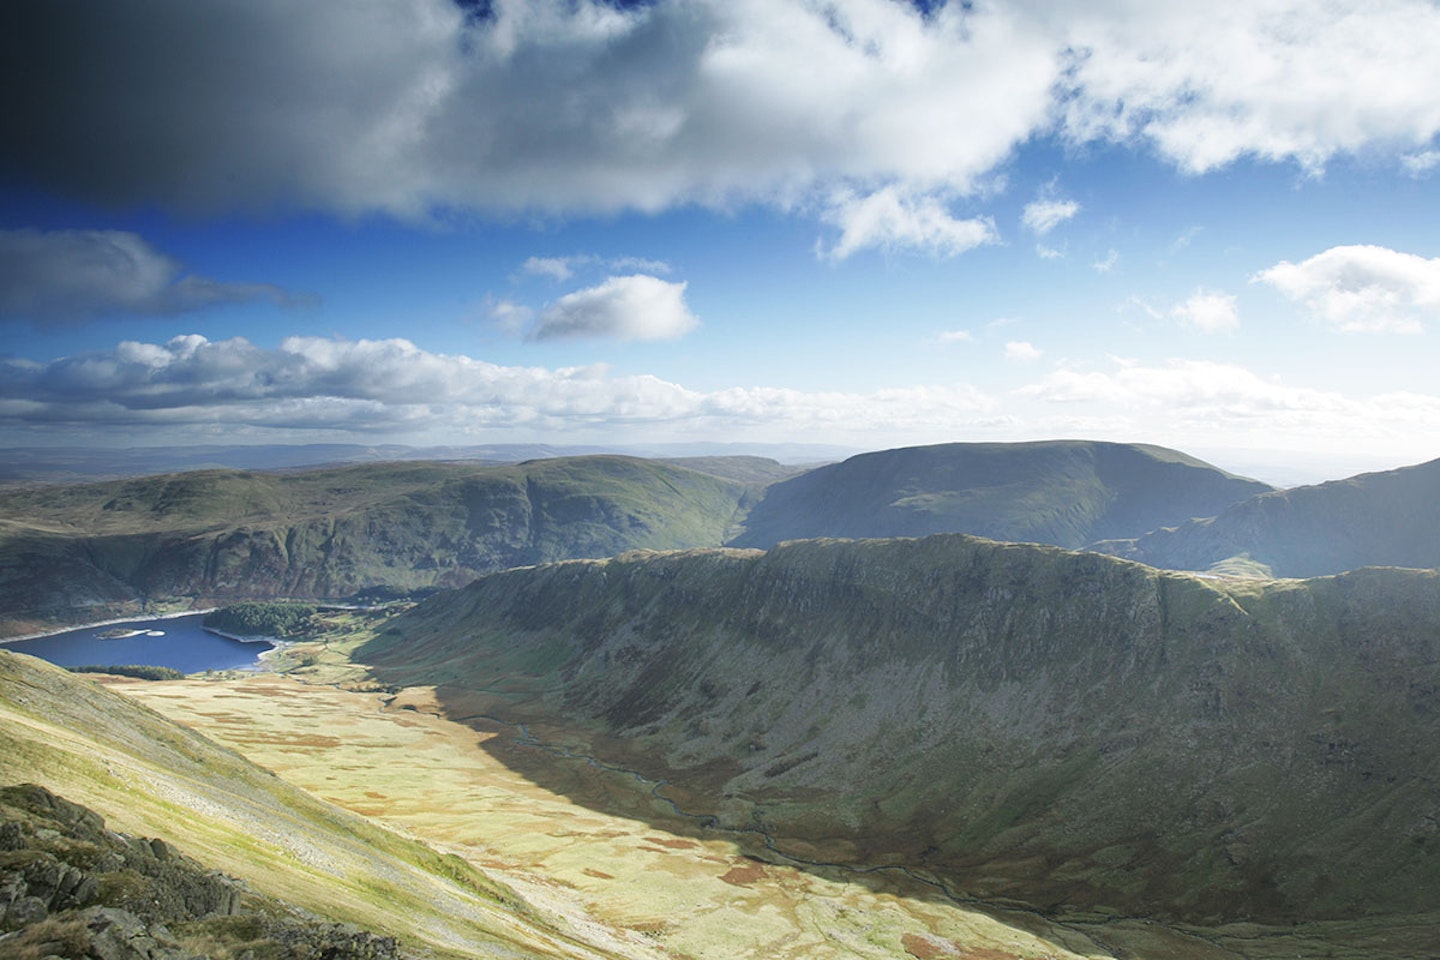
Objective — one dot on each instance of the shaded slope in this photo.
(1067, 730)
(86, 551)
(1391, 518)
(150, 777)
(1065, 492)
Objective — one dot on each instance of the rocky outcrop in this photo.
(71, 888)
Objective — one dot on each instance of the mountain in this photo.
(87, 551)
(1063, 492)
(1065, 730)
(1390, 518)
(150, 778)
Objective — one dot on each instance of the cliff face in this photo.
(84, 552)
(1060, 728)
(1389, 518)
(1065, 492)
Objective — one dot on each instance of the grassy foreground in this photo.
(150, 777)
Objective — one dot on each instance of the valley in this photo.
(715, 707)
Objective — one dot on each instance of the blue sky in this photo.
(858, 222)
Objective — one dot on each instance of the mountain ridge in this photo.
(1065, 729)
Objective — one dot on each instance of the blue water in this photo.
(185, 647)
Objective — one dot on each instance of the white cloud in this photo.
(70, 276)
(373, 388)
(1364, 289)
(635, 307)
(1021, 351)
(957, 336)
(1208, 312)
(557, 268)
(563, 268)
(1227, 405)
(511, 316)
(1208, 83)
(1420, 164)
(893, 220)
(1042, 216)
(1107, 263)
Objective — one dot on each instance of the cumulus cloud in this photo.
(413, 108)
(1042, 216)
(1207, 83)
(392, 387)
(636, 307)
(1362, 289)
(1208, 312)
(70, 276)
(893, 220)
(1022, 351)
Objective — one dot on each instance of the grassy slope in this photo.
(1063, 492)
(85, 551)
(1065, 729)
(150, 777)
(1375, 519)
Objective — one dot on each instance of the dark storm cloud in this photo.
(70, 276)
(419, 107)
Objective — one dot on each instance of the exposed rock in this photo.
(121, 897)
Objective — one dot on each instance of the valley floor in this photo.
(643, 878)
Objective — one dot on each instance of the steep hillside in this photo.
(149, 777)
(1390, 518)
(86, 551)
(1063, 729)
(1065, 492)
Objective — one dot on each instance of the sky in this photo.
(864, 223)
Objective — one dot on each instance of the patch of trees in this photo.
(139, 671)
(263, 619)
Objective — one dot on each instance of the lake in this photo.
(177, 642)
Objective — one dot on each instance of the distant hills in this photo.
(1064, 492)
(87, 551)
(84, 552)
(1390, 519)
(1067, 730)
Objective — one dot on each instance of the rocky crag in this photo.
(71, 888)
(1067, 730)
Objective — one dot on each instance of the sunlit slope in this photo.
(1065, 492)
(150, 777)
(1064, 729)
(80, 552)
(1391, 518)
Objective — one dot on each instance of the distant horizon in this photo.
(1279, 468)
